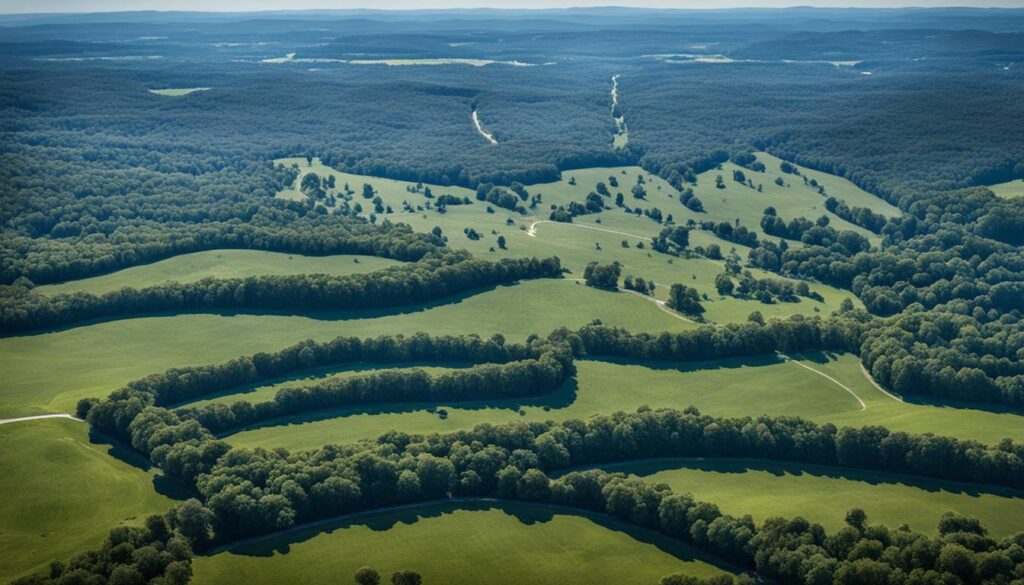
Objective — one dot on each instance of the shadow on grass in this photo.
(563, 397)
(739, 466)
(939, 402)
(316, 314)
(162, 484)
(527, 513)
(751, 361)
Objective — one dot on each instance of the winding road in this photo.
(621, 131)
(480, 129)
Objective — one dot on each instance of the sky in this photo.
(23, 6)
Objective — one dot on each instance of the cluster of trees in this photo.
(749, 161)
(370, 576)
(766, 290)
(684, 299)
(949, 356)
(725, 230)
(511, 198)
(638, 284)
(435, 276)
(862, 216)
(947, 269)
(671, 240)
(602, 276)
(817, 233)
(156, 552)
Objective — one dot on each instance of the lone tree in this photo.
(406, 578)
(603, 276)
(367, 576)
(684, 299)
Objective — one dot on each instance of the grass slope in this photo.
(50, 372)
(587, 240)
(62, 494)
(221, 264)
(736, 387)
(1009, 189)
(463, 545)
(765, 489)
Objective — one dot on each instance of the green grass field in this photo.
(1009, 189)
(462, 544)
(50, 372)
(735, 387)
(62, 494)
(221, 264)
(822, 494)
(260, 393)
(587, 240)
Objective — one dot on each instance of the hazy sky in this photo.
(22, 6)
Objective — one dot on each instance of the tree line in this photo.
(547, 368)
(435, 276)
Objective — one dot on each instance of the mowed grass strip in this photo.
(735, 387)
(50, 372)
(62, 493)
(823, 494)
(463, 544)
(221, 264)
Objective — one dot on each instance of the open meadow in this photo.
(63, 491)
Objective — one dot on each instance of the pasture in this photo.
(51, 371)
(734, 387)
(599, 237)
(462, 544)
(766, 489)
(221, 264)
(62, 493)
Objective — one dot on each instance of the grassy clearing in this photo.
(765, 489)
(585, 240)
(793, 200)
(221, 264)
(178, 91)
(50, 372)
(463, 544)
(1009, 189)
(62, 494)
(736, 387)
(261, 393)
